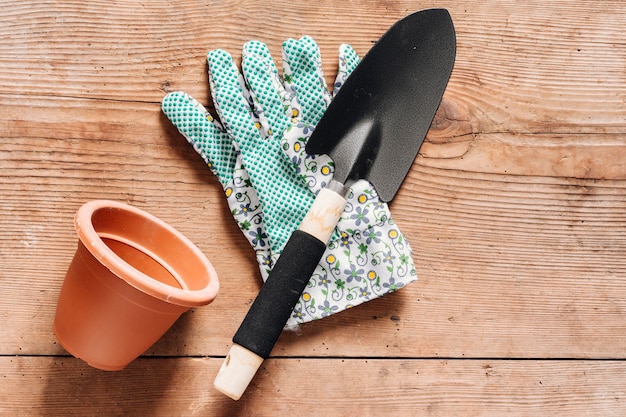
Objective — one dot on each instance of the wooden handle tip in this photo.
(237, 371)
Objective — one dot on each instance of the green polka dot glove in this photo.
(257, 154)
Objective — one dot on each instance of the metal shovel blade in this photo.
(374, 127)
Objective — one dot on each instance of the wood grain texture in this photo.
(181, 387)
(515, 209)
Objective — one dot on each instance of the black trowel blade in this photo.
(391, 97)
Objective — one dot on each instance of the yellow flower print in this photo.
(325, 170)
(297, 146)
(371, 275)
(228, 191)
(331, 259)
(345, 239)
(393, 233)
(362, 198)
(306, 297)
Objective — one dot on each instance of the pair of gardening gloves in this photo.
(257, 152)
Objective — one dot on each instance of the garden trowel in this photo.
(372, 130)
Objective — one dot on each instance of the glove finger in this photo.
(232, 100)
(348, 60)
(201, 130)
(272, 103)
(246, 207)
(260, 50)
(315, 170)
(302, 68)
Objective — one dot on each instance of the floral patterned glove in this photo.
(257, 154)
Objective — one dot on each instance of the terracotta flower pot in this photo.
(131, 278)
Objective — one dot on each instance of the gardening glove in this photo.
(270, 182)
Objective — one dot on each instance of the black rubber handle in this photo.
(267, 316)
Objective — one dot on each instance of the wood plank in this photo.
(551, 68)
(35, 386)
(511, 263)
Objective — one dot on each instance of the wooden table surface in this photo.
(515, 209)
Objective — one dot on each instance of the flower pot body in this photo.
(131, 278)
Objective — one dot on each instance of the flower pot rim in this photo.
(103, 253)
